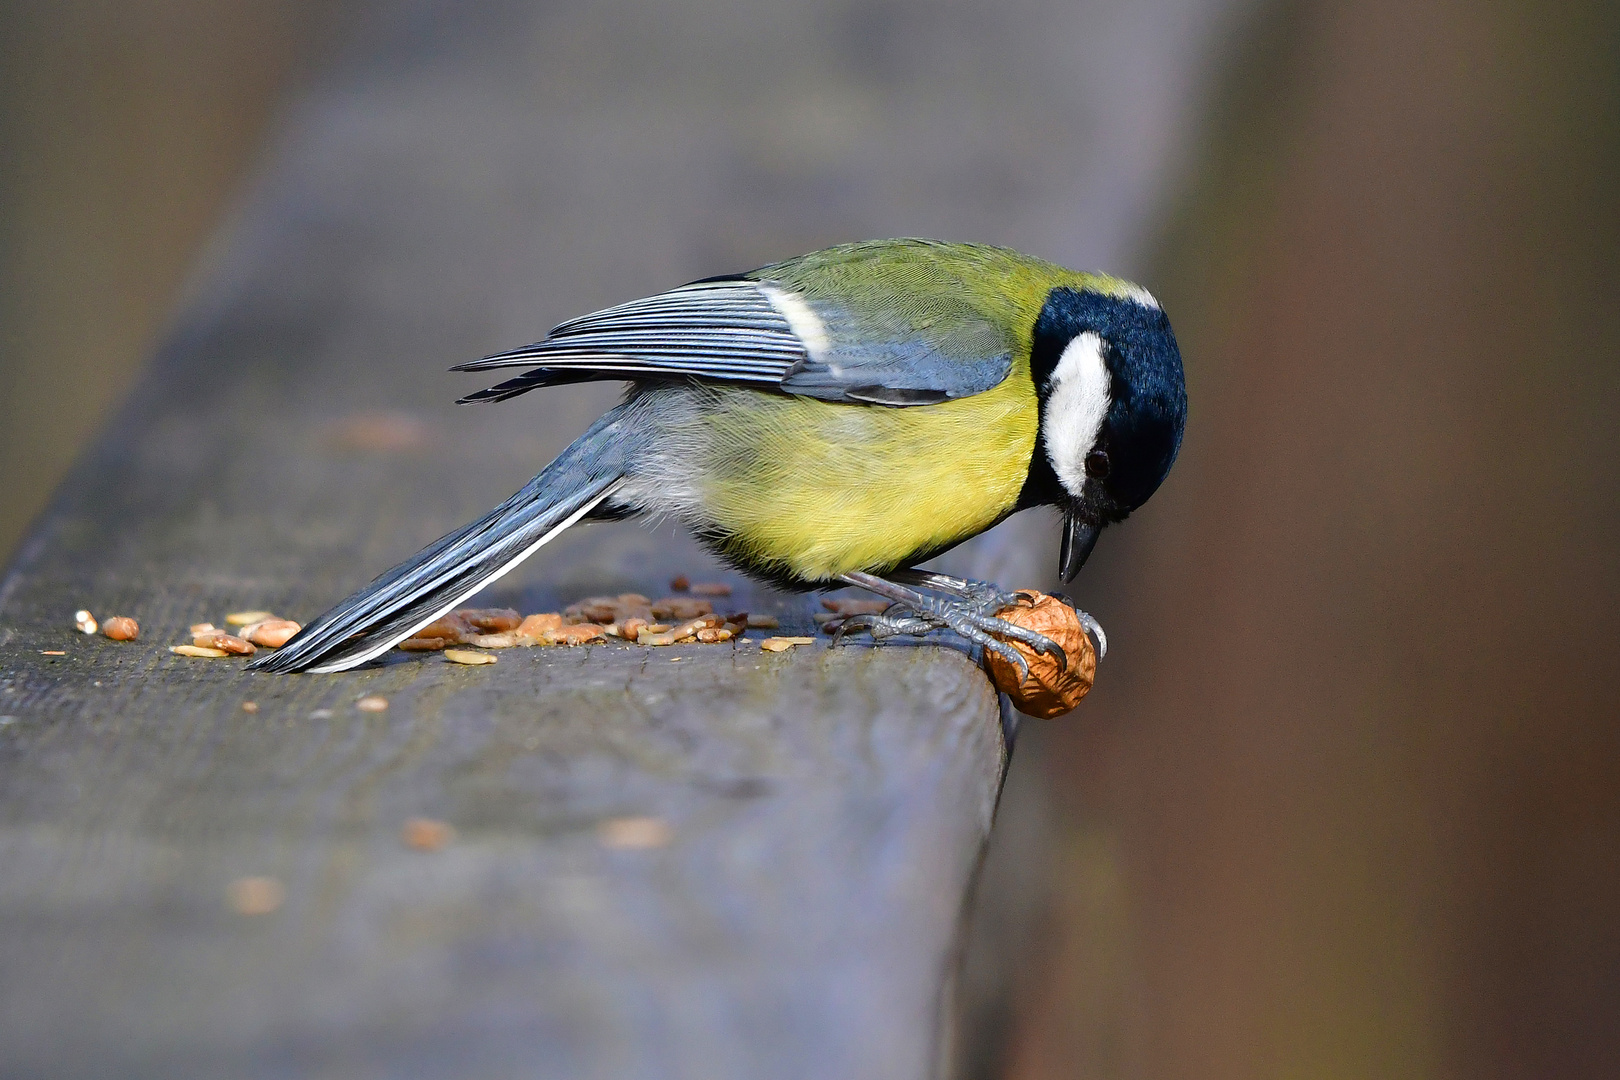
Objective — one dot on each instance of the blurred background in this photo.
(1346, 802)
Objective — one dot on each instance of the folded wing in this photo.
(759, 333)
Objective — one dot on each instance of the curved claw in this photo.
(1094, 628)
(1039, 642)
(1011, 655)
(1090, 624)
(844, 627)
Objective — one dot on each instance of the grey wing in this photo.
(740, 331)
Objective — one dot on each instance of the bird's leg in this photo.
(967, 617)
(992, 597)
(985, 595)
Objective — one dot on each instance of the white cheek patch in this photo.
(1076, 405)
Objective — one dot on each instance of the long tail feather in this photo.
(449, 571)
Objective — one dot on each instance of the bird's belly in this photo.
(798, 488)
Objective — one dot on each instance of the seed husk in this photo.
(197, 650)
(427, 834)
(84, 622)
(121, 628)
(711, 634)
(634, 833)
(781, 644)
(681, 607)
(573, 634)
(372, 703)
(490, 620)
(686, 631)
(247, 618)
(219, 639)
(271, 633)
(428, 644)
(468, 657)
(529, 631)
(605, 610)
(256, 895)
(440, 633)
(495, 641)
(199, 628)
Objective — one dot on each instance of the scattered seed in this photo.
(680, 583)
(121, 628)
(681, 607)
(468, 657)
(442, 632)
(271, 633)
(686, 631)
(250, 706)
(711, 634)
(495, 641)
(84, 622)
(197, 650)
(710, 588)
(428, 644)
(245, 618)
(573, 634)
(532, 627)
(489, 620)
(256, 895)
(634, 833)
(219, 639)
(427, 834)
(763, 622)
(52, 652)
(779, 644)
(373, 703)
(199, 628)
(604, 610)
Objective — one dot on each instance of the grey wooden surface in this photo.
(456, 181)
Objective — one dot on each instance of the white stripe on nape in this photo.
(377, 650)
(1076, 405)
(805, 323)
(1141, 296)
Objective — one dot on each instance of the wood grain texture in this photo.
(827, 808)
(458, 179)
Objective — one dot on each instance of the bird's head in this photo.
(1113, 404)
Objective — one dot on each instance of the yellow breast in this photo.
(813, 489)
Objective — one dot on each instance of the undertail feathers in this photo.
(449, 571)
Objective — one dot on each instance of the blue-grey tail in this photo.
(449, 571)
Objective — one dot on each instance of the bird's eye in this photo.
(1097, 465)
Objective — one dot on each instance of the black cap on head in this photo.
(1137, 437)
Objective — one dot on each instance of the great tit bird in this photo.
(834, 419)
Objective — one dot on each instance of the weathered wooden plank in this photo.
(459, 180)
(826, 807)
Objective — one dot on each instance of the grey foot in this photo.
(966, 610)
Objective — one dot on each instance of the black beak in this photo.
(1078, 540)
